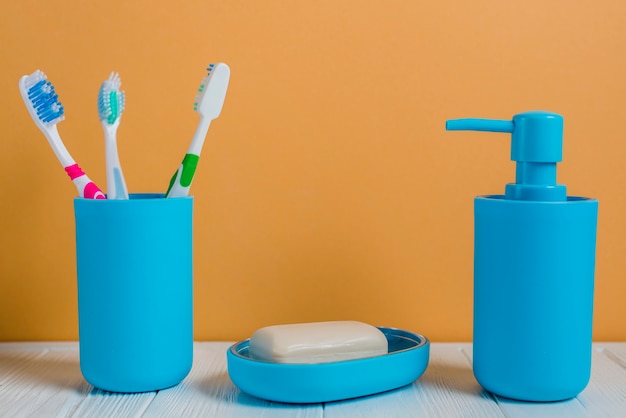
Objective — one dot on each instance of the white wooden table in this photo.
(44, 380)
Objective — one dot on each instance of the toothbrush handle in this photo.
(86, 187)
(182, 178)
(116, 185)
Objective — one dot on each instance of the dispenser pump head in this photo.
(536, 147)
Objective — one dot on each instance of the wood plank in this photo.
(208, 391)
(44, 380)
(106, 404)
(11, 361)
(38, 346)
(40, 383)
(594, 401)
(606, 393)
(615, 351)
(447, 389)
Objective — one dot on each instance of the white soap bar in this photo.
(317, 342)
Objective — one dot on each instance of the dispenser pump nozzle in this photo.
(536, 147)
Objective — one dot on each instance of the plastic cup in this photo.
(135, 300)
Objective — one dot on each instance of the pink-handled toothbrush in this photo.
(44, 107)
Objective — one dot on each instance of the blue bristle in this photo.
(45, 101)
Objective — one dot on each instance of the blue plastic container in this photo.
(534, 261)
(134, 265)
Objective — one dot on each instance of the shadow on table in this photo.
(221, 388)
(452, 378)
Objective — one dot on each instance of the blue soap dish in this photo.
(405, 362)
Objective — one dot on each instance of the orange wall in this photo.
(328, 189)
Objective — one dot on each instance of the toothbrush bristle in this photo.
(202, 87)
(43, 98)
(111, 99)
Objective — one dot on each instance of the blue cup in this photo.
(135, 300)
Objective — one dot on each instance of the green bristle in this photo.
(113, 104)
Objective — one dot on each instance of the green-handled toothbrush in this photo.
(208, 104)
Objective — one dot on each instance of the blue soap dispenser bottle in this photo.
(534, 262)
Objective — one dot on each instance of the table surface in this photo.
(43, 379)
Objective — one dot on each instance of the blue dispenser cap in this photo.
(536, 147)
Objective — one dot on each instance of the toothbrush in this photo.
(46, 110)
(110, 108)
(208, 104)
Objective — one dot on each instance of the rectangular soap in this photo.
(317, 342)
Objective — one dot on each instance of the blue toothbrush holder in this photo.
(534, 262)
(135, 299)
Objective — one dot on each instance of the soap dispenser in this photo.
(534, 261)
